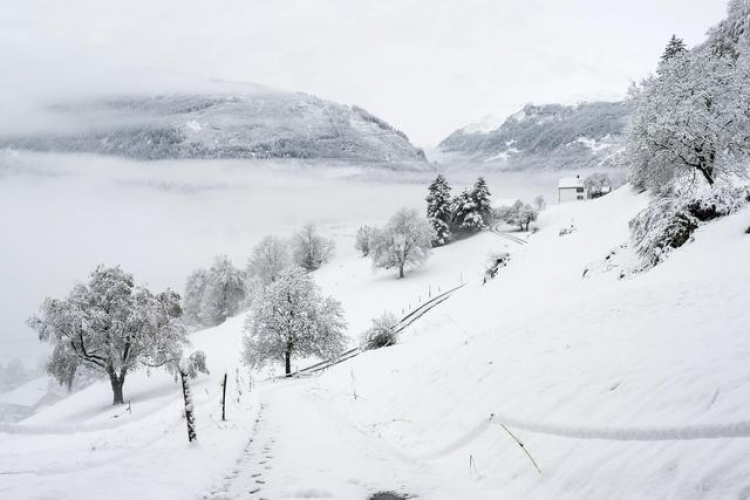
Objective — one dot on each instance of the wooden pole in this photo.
(224, 399)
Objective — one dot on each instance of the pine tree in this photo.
(675, 47)
(481, 197)
(439, 210)
(466, 218)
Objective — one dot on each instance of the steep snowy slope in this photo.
(610, 383)
(550, 136)
(259, 124)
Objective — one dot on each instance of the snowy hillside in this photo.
(260, 124)
(618, 388)
(550, 136)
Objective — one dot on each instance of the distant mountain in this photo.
(263, 124)
(548, 136)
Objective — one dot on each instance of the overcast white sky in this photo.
(426, 66)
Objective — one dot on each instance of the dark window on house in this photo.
(580, 197)
(579, 190)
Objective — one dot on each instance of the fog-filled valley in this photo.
(160, 220)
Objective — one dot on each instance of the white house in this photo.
(571, 189)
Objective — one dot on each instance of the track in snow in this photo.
(495, 229)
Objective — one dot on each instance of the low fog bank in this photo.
(62, 215)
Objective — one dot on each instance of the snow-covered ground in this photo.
(618, 388)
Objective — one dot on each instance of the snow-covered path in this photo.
(303, 449)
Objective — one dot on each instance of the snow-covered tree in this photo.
(521, 214)
(540, 202)
(310, 250)
(363, 240)
(269, 258)
(729, 38)
(482, 198)
(676, 46)
(466, 217)
(597, 184)
(113, 326)
(225, 292)
(404, 242)
(690, 122)
(291, 319)
(192, 300)
(439, 211)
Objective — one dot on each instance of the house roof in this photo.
(570, 182)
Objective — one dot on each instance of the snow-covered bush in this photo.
(269, 258)
(363, 240)
(112, 326)
(310, 250)
(293, 318)
(495, 261)
(405, 241)
(668, 223)
(382, 333)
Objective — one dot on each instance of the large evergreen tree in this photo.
(481, 197)
(675, 47)
(439, 210)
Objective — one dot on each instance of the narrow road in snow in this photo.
(495, 228)
(302, 448)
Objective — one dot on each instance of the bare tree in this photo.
(310, 250)
(404, 242)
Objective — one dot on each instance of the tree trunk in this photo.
(188, 400)
(401, 270)
(288, 362)
(117, 383)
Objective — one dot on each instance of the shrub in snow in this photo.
(112, 326)
(495, 261)
(293, 318)
(439, 211)
(310, 250)
(269, 258)
(363, 240)
(404, 242)
(668, 223)
(213, 295)
(382, 333)
(568, 230)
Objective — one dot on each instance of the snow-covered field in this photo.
(632, 388)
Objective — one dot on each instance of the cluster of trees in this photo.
(404, 242)
(468, 212)
(112, 326)
(688, 140)
(690, 123)
(215, 294)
